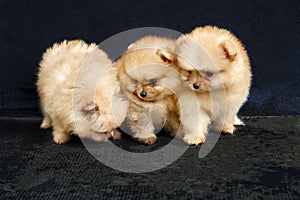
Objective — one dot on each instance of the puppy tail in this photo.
(238, 122)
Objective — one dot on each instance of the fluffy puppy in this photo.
(76, 85)
(148, 81)
(215, 65)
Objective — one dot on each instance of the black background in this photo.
(269, 30)
(260, 161)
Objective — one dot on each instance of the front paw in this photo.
(148, 140)
(61, 138)
(194, 139)
(114, 134)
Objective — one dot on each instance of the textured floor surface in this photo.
(260, 161)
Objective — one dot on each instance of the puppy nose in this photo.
(196, 86)
(143, 94)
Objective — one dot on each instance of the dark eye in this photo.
(209, 74)
(153, 81)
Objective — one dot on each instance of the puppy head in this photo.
(208, 58)
(95, 118)
(144, 70)
(86, 114)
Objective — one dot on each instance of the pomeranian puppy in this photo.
(214, 64)
(148, 81)
(77, 85)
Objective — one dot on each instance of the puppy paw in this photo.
(114, 134)
(228, 129)
(100, 136)
(194, 139)
(60, 138)
(149, 140)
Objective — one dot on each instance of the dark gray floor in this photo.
(260, 161)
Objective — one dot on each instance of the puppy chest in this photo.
(158, 115)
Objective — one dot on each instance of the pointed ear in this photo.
(120, 69)
(228, 51)
(166, 56)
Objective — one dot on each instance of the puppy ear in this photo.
(121, 71)
(90, 109)
(166, 56)
(228, 51)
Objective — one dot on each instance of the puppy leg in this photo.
(195, 131)
(228, 127)
(60, 136)
(172, 125)
(142, 128)
(197, 137)
(231, 119)
(46, 122)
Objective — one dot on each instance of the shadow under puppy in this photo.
(148, 81)
(214, 64)
(76, 84)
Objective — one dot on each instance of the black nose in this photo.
(143, 94)
(196, 86)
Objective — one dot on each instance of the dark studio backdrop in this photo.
(270, 31)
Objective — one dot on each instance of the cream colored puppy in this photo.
(215, 65)
(148, 81)
(77, 85)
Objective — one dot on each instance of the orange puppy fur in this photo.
(148, 81)
(215, 65)
(76, 84)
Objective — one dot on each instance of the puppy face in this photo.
(145, 71)
(146, 82)
(145, 75)
(208, 59)
(194, 80)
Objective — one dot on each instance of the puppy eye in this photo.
(209, 74)
(153, 81)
